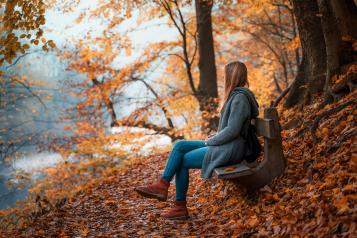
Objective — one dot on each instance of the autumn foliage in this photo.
(90, 194)
(314, 197)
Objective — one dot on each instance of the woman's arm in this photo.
(209, 136)
(240, 112)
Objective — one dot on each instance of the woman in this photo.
(226, 147)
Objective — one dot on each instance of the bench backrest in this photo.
(270, 129)
(265, 127)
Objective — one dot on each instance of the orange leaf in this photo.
(228, 169)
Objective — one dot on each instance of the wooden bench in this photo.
(256, 175)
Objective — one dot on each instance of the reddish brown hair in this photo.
(235, 75)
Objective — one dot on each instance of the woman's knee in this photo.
(179, 143)
(194, 158)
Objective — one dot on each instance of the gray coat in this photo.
(227, 146)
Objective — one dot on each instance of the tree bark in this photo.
(333, 42)
(336, 23)
(207, 89)
(313, 46)
(206, 64)
(297, 89)
(345, 12)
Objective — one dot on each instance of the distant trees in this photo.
(180, 56)
(264, 35)
(21, 25)
(19, 106)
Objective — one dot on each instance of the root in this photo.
(345, 83)
(348, 134)
(317, 120)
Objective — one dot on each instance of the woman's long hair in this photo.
(235, 75)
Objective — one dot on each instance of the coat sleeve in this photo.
(239, 113)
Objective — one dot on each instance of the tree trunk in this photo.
(345, 16)
(206, 64)
(297, 89)
(336, 23)
(207, 89)
(113, 116)
(345, 12)
(313, 46)
(333, 42)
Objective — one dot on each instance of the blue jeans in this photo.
(185, 154)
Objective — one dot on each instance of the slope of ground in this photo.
(316, 197)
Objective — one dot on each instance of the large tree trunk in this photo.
(336, 24)
(345, 12)
(326, 46)
(207, 89)
(333, 42)
(313, 48)
(206, 64)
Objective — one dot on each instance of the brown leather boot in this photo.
(178, 211)
(158, 190)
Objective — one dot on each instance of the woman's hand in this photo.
(212, 134)
(209, 136)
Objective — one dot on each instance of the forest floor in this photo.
(315, 197)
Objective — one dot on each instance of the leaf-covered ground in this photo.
(316, 197)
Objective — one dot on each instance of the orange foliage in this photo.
(26, 17)
(314, 197)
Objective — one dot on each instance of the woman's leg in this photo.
(159, 189)
(174, 162)
(192, 159)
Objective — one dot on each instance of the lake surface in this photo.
(28, 163)
(33, 161)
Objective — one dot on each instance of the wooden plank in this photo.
(274, 147)
(265, 127)
(274, 163)
(232, 171)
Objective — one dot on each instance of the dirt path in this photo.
(113, 209)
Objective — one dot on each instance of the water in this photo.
(33, 161)
(28, 163)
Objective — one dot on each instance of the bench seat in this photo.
(233, 171)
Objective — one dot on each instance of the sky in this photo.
(62, 27)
